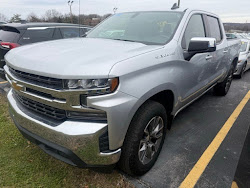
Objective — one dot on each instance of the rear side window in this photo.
(71, 32)
(195, 28)
(9, 34)
(37, 35)
(215, 29)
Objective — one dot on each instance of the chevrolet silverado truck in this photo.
(110, 97)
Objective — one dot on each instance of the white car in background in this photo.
(244, 58)
(1, 22)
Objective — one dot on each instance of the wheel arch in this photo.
(159, 94)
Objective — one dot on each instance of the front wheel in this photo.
(144, 139)
(222, 89)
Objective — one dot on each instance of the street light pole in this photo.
(115, 9)
(70, 3)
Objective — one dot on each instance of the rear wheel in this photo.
(222, 89)
(144, 139)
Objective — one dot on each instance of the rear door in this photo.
(220, 59)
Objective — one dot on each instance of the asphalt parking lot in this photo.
(192, 132)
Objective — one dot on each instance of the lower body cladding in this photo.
(74, 142)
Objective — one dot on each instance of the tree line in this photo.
(55, 16)
(231, 27)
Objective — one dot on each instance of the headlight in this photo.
(94, 86)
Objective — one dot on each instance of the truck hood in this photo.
(77, 58)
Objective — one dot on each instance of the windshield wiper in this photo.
(127, 40)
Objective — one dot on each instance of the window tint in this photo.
(195, 28)
(215, 30)
(9, 34)
(36, 35)
(70, 32)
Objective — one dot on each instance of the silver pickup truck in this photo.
(111, 96)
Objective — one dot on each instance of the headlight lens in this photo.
(99, 86)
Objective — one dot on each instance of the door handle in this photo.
(209, 57)
(225, 51)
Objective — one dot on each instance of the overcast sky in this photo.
(229, 10)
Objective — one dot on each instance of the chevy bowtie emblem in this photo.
(16, 86)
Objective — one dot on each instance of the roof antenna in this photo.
(175, 6)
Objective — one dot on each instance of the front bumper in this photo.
(76, 143)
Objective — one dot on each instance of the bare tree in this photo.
(3, 17)
(52, 15)
(32, 17)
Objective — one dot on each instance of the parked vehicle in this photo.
(106, 98)
(244, 58)
(2, 23)
(17, 34)
(231, 36)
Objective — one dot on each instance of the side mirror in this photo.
(200, 45)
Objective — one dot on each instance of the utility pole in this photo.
(70, 3)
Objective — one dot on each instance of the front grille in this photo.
(38, 80)
(43, 109)
(42, 94)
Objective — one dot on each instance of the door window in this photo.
(195, 28)
(36, 35)
(215, 29)
(71, 32)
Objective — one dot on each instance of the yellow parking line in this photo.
(200, 166)
(234, 185)
(3, 82)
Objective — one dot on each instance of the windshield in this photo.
(243, 47)
(145, 27)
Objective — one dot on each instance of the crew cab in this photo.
(110, 97)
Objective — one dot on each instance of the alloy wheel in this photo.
(152, 137)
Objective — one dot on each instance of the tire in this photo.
(221, 89)
(138, 144)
